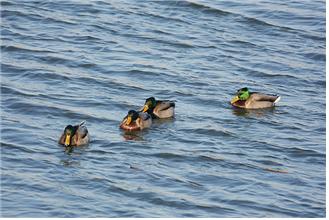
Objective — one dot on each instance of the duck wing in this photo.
(144, 116)
(82, 130)
(263, 97)
(164, 105)
(144, 120)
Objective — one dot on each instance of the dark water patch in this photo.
(163, 18)
(316, 38)
(172, 156)
(267, 208)
(82, 38)
(254, 22)
(200, 7)
(57, 60)
(14, 148)
(79, 7)
(6, 3)
(210, 131)
(53, 111)
(51, 77)
(12, 13)
(144, 74)
(268, 162)
(16, 92)
(263, 74)
(30, 16)
(316, 56)
(11, 68)
(209, 158)
(23, 49)
(300, 153)
(163, 42)
(244, 43)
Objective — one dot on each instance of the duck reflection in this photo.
(252, 112)
(73, 156)
(133, 135)
(161, 121)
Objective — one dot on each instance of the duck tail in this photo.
(277, 100)
(82, 123)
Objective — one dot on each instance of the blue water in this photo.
(67, 61)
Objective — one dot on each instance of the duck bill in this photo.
(128, 121)
(235, 99)
(67, 140)
(145, 108)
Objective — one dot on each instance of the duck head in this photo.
(69, 131)
(150, 103)
(241, 94)
(131, 116)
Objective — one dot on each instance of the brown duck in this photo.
(75, 135)
(135, 121)
(253, 100)
(159, 108)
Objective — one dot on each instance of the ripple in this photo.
(64, 62)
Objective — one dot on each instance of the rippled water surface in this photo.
(67, 61)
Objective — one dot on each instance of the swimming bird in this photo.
(159, 108)
(253, 100)
(136, 121)
(75, 135)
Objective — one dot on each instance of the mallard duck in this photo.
(136, 121)
(253, 100)
(75, 135)
(159, 108)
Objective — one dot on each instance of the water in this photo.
(67, 61)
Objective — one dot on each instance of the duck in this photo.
(159, 108)
(75, 135)
(253, 100)
(135, 121)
